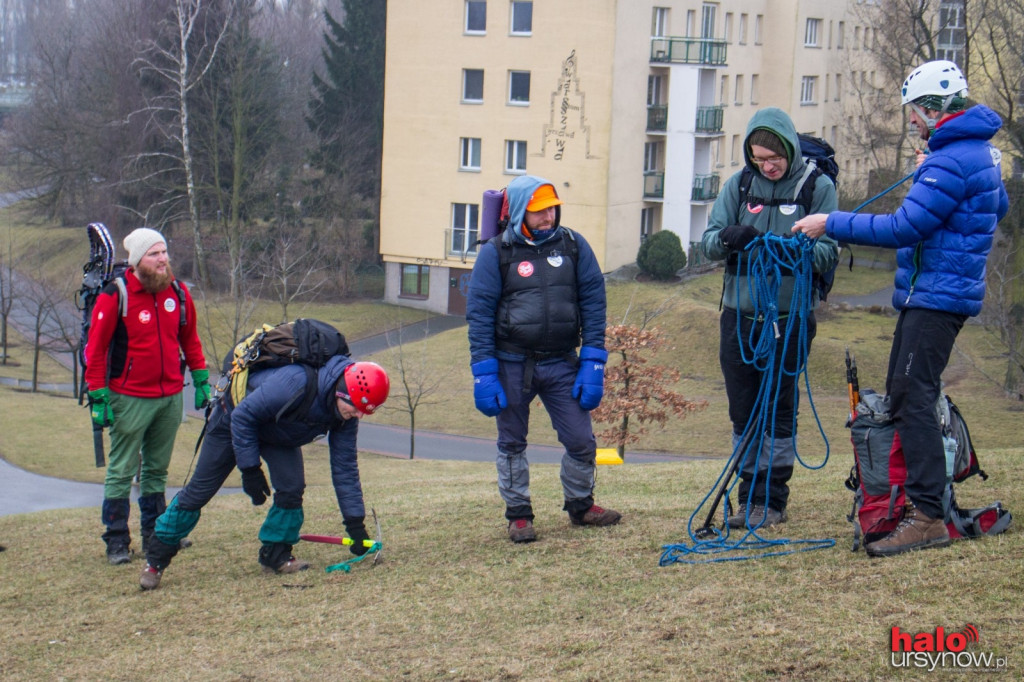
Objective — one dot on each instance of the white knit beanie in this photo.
(139, 242)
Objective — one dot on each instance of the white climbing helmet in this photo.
(941, 79)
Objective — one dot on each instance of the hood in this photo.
(519, 192)
(327, 379)
(777, 121)
(977, 123)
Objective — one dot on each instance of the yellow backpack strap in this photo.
(245, 352)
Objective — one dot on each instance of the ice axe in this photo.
(375, 547)
(707, 531)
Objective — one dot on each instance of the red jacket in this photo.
(143, 347)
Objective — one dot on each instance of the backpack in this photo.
(820, 158)
(306, 342)
(879, 472)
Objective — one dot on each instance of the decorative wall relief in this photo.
(567, 126)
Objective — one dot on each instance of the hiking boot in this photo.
(521, 530)
(119, 553)
(915, 531)
(293, 565)
(150, 578)
(758, 513)
(596, 516)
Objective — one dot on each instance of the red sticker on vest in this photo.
(754, 209)
(525, 268)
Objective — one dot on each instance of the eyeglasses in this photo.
(773, 160)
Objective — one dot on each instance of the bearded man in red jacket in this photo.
(142, 325)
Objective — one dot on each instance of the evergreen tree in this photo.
(347, 108)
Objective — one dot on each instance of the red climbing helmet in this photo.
(368, 386)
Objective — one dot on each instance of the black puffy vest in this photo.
(538, 313)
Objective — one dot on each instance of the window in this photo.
(476, 16)
(519, 87)
(758, 28)
(839, 85)
(723, 91)
(648, 222)
(743, 30)
(522, 18)
(415, 281)
(465, 221)
(738, 94)
(469, 156)
(811, 33)
(691, 19)
(707, 21)
(716, 153)
(651, 154)
(952, 31)
(736, 151)
(472, 85)
(807, 86)
(839, 35)
(515, 156)
(856, 37)
(755, 88)
(659, 22)
(655, 90)
(728, 27)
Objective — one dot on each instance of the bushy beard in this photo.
(152, 281)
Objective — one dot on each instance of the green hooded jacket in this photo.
(775, 219)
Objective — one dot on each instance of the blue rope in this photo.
(347, 564)
(764, 268)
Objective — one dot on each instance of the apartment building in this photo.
(634, 109)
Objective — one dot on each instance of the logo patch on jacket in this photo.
(525, 269)
(787, 209)
(555, 260)
(170, 305)
(145, 316)
(754, 208)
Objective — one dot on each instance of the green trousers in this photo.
(143, 430)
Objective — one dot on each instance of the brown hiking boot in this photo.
(521, 530)
(596, 516)
(150, 578)
(293, 565)
(915, 531)
(758, 513)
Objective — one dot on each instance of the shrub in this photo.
(661, 255)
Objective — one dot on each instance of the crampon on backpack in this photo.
(306, 342)
(879, 473)
(819, 158)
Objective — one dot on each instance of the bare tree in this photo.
(7, 293)
(416, 380)
(180, 61)
(295, 267)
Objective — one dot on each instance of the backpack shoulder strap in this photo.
(181, 301)
(746, 177)
(122, 294)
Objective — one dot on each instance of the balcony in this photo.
(657, 117)
(709, 119)
(705, 187)
(654, 185)
(673, 50)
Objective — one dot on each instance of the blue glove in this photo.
(487, 391)
(589, 386)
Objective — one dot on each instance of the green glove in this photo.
(99, 406)
(201, 381)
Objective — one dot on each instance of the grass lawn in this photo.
(454, 599)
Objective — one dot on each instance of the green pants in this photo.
(144, 428)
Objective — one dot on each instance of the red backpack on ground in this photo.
(880, 472)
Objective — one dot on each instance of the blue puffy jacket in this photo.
(262, 417)
(944, 229)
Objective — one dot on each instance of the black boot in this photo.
(150, 508)
(119, 541)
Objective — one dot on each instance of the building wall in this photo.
(586, 122)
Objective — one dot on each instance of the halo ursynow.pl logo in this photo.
(941, 649)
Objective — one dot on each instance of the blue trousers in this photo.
(552, 382)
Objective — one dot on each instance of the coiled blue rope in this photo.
(764, 267)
